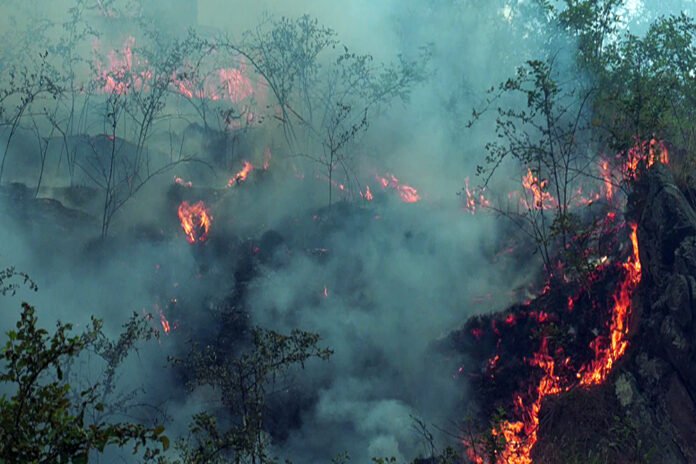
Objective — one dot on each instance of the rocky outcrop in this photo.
(663, 360)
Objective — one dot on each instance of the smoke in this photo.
(393, 278)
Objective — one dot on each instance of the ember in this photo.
(182, 182)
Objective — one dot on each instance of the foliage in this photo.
(39, 422)
(325, 92)
(10, 288)
(545, 137)
(242, 383)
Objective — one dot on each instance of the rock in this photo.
(682, 414)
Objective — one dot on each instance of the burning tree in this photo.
(324, 99)
(547, 137)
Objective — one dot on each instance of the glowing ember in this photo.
(165, 323)
(195, 220)
(235, 84)
(407, 193)
(182, 182)
(242, 175)
(367, 195)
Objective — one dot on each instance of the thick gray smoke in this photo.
(393, 278)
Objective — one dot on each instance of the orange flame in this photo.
(646, 154)
(195, 220)
(606, 177)
(475, 198)
(520, 436)
(542, 198)
(607, 352)
(407, 193)
(242, 175)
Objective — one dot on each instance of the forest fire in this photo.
(520, 435)
(195, 220)
(125, 72)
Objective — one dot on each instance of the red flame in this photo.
(195, 220)
(520, 435)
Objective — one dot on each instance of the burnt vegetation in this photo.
(107, 119)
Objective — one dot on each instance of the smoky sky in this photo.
(393, 280)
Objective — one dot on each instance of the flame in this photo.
(645, 154)
(608, 351)
(520, 436)
(605, 171)
(235, 84)
(124, 72)
(242, 175)
(407, 193)
(542, 198)
(475, 198)
(195, 220)
(165, 323)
